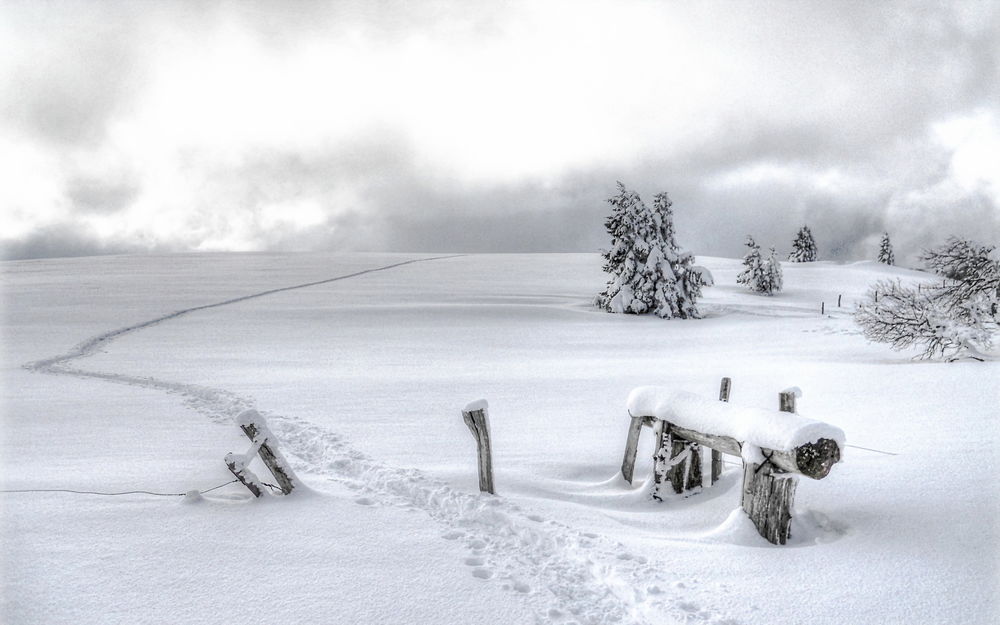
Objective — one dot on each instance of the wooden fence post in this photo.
(822, 308)
(264, 445)
(838, 299)
(724, 389)
(477, 418)
(631, 448)
(769, 492)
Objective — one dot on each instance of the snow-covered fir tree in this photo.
(776, 278)
(803, 247)
(885, 254)
(754, 275)
(958, 319)
(649, 273)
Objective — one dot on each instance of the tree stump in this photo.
(768, 491)
(476, 417)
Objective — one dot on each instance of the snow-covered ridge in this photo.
(770, 429)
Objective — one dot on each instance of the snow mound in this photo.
(479, 404)
(809, 527)
(770, 429)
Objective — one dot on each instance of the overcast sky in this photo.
(463, 126)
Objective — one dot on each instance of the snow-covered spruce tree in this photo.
(776, 278)
(620, 224)
(803, 247)
(690, 278)
(957, 320)
(755, 275)
(885, 255)
(648, 274)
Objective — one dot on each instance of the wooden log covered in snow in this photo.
(794, 443)
(476, 416)
(776, 447)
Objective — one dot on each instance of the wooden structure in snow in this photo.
(264, 444)
(476, 416)
(776, 447)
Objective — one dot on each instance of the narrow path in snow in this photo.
(574, 577)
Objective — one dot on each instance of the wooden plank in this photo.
(282, 475)
(631, 447)
(238, 468)
(479, 425)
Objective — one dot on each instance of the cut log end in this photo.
(816, 460)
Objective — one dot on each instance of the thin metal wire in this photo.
(94, 492)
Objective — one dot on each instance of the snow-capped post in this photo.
(724, 388)
(476, 416)
(263, 444)
(768, 491)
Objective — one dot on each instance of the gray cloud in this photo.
(833, 105)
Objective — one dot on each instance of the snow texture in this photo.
(770, 429)
(358, 376)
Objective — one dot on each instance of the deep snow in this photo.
(363, 379)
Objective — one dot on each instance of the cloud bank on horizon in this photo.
(457, 126)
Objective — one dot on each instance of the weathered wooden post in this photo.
(822, 308)
(769, 491)
(631, 447)
(838, 299)
(724, 389)
(476, 417)
(264, 444)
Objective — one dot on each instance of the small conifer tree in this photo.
(775, 277)
(885, 254)
(803, 247)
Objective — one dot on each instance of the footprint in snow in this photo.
(365, 501)
(482, 573)
(474, 561)
(453, 535)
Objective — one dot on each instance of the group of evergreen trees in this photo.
(759, 275)
(649, 271)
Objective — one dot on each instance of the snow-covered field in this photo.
(363, 379)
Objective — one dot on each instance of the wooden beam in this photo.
(814, 460)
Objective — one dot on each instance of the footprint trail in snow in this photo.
(571, 576)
